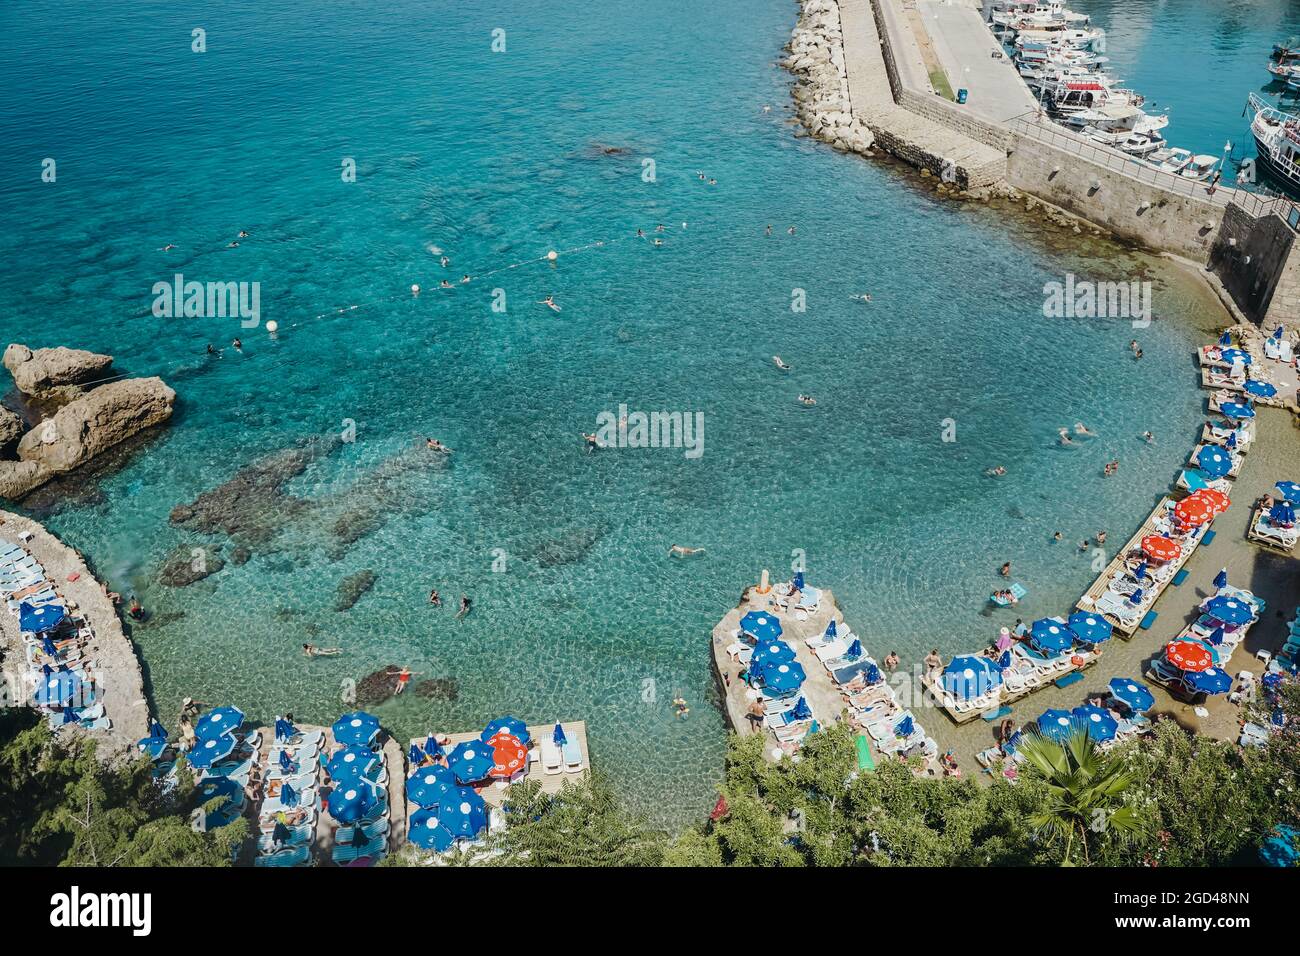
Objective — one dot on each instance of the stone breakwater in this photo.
(117, 668)
(821, 96)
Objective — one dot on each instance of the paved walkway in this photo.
(965, 47)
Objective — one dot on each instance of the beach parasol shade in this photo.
(510, 725)
(348, 804)
(1212, 680)
(1235, 357)
(1261, 389)
(1282, 514)
(509, 756)
(1056, 724)
(1160, 548)
(464, 814)
(1226, 337)
(1090, 628)
(1133, 693)
(1237, 410)
(57, 688)
(1217, 500)
(357, 727)
(351, 761)
(427, 833)
(1099, 722)
(39, 618)
(208, 750)
(781, 678)
(1229, 610)
(1290, 491)
(1049, 635)
(1189, 655)
(761, 625)
(1213, 461)
(216, 788)
(971, 675)
(428, 785)
(1193, 511)
(778, 652)
(218, 722)
(471, 761)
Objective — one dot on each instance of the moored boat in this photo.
(1277, 143)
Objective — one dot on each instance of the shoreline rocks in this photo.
(821, 93)
(40, 371)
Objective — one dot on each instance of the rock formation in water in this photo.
(185, 565)
(438, 688)
(352, 588)
(374, 689)
(91, 421)
(12, 428)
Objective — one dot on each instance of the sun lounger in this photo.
(831, 650)
(346, 853)
(293, 856)
(843, 675)
(309, 799)
(572, 751)
(298, 835)
(552, 760)
(885, 729)
(345, 834)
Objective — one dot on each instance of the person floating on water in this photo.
(435, 598)
(212, 351)
(863, 297)
(1081, 429)
(1005, 570)
(997, 471)
(1101, 537)
(311, 650)
(593, 441)
(465, 605)
(243, 234)
(1149, 438)
(807, 400)
(790, 231)
(403, 678)
(444, 284)
(136, 609)
(780, 363)
(768, 230)
(445, 262)
(680, 709)
(434, 445)
(238, 346)
(550, 301)
(1056, 536)
(168, 248)
(1065, 436)
(681, 551)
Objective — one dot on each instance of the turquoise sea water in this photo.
(496, 158)
(1198, 59)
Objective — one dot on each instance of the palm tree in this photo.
(1085, 790)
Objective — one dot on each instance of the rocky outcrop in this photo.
(185, 565)
(11, 428)
(44, 370)
(88, 426)
(822, 93)
(352, 588)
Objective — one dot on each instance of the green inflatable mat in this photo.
(864, 754)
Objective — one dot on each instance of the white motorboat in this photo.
(1170, 160)
(1076, 95)
(1200, 167)
(1117, 121)
(1141, 145)
(1277, 143)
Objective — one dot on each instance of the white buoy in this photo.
(415, 288)
(272, 326)
(552, 255)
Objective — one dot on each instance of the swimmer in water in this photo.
(996, 472)
(311, 650)
(864, 297)
(243, 234)
(238, 346)
(212, 351)
(640, 233)
(550, 301)
(1065, 436)
(593, 442)
(445, 262)
(435, 598)
(434, 445)
(1081, 429)
(779, 363)
(464, 607)
(658, 243)
(464, 279)
(1149, 438)
(444, 284)
(680, 708)
(168, 248)
(807, 400)
(681, 551)
(790, 230)
(232, 245)
(659, 228)
(768, 230)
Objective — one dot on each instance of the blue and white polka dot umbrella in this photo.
(778, 651)
(471, 761)
(464, 814)
(427, 833)
(1090, 628)
(429, 785)
(510, 725)
(1098, 721)
(1236, 357)
(1049, 635)
(1229, 610)
(1057, 724)
(1214, 461)
(781, 679)
(1290, 491)
(348, 804)
(218, 722)
(207, 751)
(356, 728)
(970, 675)
(1237, 410)
(761, 625)
(1133, 693)
(1209, 681)
(57, 689)
(1262, 389)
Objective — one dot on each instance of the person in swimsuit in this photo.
(434, 598)
(464, 606)
(780, 363)
(550, 302)
(681, 551)
(311, 650)
(403, 678)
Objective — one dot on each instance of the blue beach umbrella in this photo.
(1221, 579)
(1232, 439)
(801, 710)
(761, 625)
(854, 651)
(215, 788)
(284, 729)
(906, 727)
(1135, 598)
(1209, 681)
(1140, 572)
(776, 651)
(1283, 513)
(1005, 660)
(797, 583)
(47, 646)
(57, 688)
(1049, 635)
(471, 761)
(970, 675)
(350, 803)
(37, 619)
(415, 755)
(157, 731)
(1214, 461)
(558, 735)
(1090, 628)
(1237, 410)
(781, 678)
(1056, 724)
(464, 814)
(286, 762)
(1235, 357)
(1290, 490)
(432, 749)
(831, 630)
(208, 750)
(356, 728)
(1229, 610)
(1133, 693)
(1216, 637)
(1225, 338)
(510, 725)
(1101, 725)
(1262, 389)
(1277, 333)
(219, 722)
(427, 833)
(428, 785)
(350, 762)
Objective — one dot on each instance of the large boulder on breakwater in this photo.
(96, 422)
(39, 371)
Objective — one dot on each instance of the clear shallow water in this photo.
(1198, 60)
(496, 158)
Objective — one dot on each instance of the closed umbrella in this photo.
(415, 756)
(797, 583)
(1225, 338)
(558, 736)
(432, 749)
(831, 630)
(761, 625)
(1135, 598)
(1221, 579)
(1140, 572)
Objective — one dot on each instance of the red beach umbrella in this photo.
(1189, 655)
(509, 756)
(1217, 500)
(1160, 548)
(1193, 511)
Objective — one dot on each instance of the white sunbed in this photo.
(1286, 537)
(572, 752)
(552, 759)
(831, 650)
